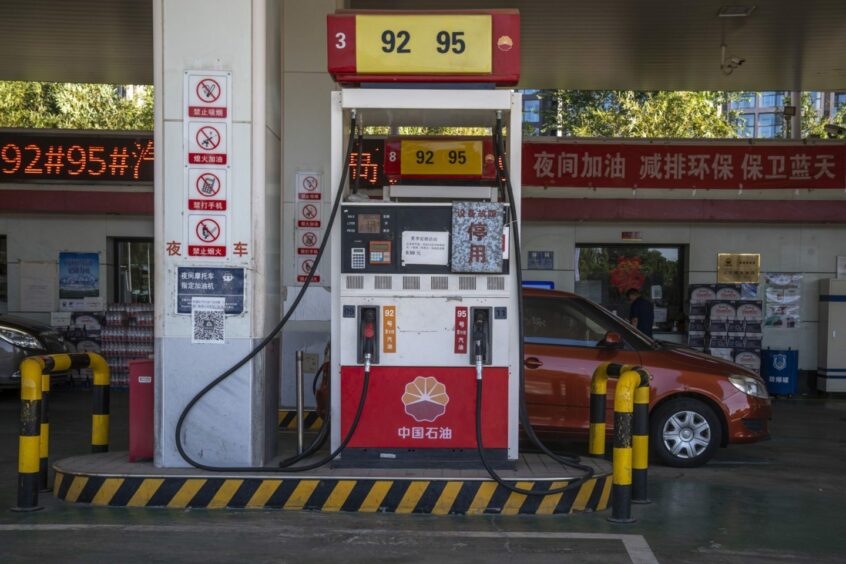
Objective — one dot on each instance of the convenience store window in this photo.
(133, 271)
(605, 272)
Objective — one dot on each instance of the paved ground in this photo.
(771, 502)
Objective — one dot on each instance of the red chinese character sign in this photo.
(207, 235)
(706, 166)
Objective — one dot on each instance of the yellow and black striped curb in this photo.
(288, 419)
(438, 497)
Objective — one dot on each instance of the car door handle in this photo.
(533, 362)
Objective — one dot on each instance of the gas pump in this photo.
(424, 294)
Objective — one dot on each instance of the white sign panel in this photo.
(207, 235)
(309, 185)
(425, 247)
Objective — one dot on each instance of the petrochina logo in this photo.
(504, 43)
(425, 399)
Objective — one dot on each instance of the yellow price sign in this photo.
(441, 158)
(420, 44)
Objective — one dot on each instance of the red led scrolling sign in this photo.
(27, 156)
(424, 46)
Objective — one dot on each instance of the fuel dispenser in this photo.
(425, 298)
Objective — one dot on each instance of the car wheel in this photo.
(684, 433)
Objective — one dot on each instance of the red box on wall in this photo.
(140, 410)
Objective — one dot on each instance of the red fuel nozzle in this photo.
(369, 331)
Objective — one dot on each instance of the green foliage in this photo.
(813, 122)
(625, 113)
(75, 106)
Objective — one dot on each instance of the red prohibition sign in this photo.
(309, 239)
(308, 264)
(309, 211)
(208, 90)
(208, 138)
(310, 183)
(208, 184)
(208, 230)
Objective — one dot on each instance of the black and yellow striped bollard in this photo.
(100, 412)
(44, 438)
(29, 451)
(640, 440)
(621, 482)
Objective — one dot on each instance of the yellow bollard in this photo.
(621, 484)
(29, 450)
(640, 440)
(100, 413)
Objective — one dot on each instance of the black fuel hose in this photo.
(570, 462)
(266, 341)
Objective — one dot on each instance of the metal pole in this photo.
(300, 400)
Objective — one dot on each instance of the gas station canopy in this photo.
(587, 44)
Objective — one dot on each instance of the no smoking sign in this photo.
(208, 95)
(309, 186)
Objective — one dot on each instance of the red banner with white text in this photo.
(653, 165)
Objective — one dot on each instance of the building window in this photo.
(133, 271)
(746, 125)
(839, 101)
(770, 125)
(772, 99)
(816, 100)
(4, 277)
(605, 273)
(746, 100)
(531, 111)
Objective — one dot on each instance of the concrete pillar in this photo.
(306, 139)
(235, 424)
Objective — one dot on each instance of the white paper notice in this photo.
(38, 286)
(208, 320)
(425, 247)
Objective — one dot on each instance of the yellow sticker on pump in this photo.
(421, 157)
(423, 44)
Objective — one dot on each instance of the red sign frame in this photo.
(505, 61)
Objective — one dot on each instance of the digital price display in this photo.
(29, 156)
(455, 46)
(365, 166)
(445, 157)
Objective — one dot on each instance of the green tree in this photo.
(814, 122)
(75, 106)
(625, 113)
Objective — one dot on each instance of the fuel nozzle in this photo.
(369, 334)
(479, 342)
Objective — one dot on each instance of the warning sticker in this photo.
(304, 266)
(308, 186)
(308, 214)
(207, 189)
(460, 330)
(308, 241)
(207, 143)
(206, 235)
(208, 96)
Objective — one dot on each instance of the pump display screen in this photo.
(369, 223)
(429, 158)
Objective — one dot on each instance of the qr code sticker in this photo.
(208, 326)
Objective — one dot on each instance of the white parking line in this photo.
(636, 546)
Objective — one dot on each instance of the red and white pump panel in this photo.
(469, 46)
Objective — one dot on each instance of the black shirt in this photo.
(642, 310)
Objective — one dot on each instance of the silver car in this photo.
(20, 338)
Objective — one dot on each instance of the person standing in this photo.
(641, 311)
